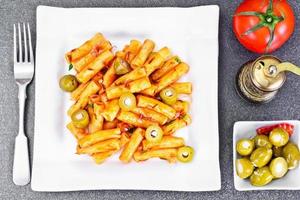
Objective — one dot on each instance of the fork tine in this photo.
(25, 44)
(15, 44)
(20, 43)
(31, 58)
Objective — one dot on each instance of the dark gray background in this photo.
(231, 107)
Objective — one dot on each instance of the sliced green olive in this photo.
(278, 167)
(80, 118)
(262, 141)
(127, 101)
(68, 83)
(121, 66)
(261, 156)
(279, 137)
(291, 154)
(169, 95)
(261, 176)
(154, 134)
(185, 154)
(244, 168)
(245, 147)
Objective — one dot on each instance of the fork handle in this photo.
(21, 167)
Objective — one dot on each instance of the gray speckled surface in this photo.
(231, 107)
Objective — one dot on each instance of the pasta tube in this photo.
(124, 139)
(91, 89)
(87, 59)
(132, 145)
(101, 157)
(166, 142)
(176, 124)
(77, 132)
(138, 85)
(143, 54)
(181, 106)
(166, 154)
(156, 60)
(94, 67)
(111, 110)
(96, 121)
(77, 92)
(134, 119)
(106, 145)
(132, 49)
(109, 77)
(131, 76)
(183, 87)
(151, 114)
(85, 48)
(99, 136)
(147, 102)
(167, 66)
(110, 125)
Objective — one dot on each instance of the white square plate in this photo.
(191, 33)
(247, 129)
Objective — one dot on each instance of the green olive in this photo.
(277, 151)
(261, 156)
(80, 118)
(291, 154)
(154, 134)
(244, 168)
(169, 95)
(261, 176)
(278, 167)
(279, 137)
(121, 66)
(185, 154)
(245, 147)
(127, 101)
(262, 141)
(68, 83)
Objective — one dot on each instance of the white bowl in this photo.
(247, 129)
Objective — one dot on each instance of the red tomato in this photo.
(262, 26)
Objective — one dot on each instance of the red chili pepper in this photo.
(267, 129)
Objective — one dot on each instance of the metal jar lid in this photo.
(263, 70)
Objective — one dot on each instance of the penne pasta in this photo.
(183, 87)
(166, 142)
(167, 66)
(156, 60)
(109, 77)
(84, 49)
(131, 50)
(99, 136)
(124, 139)
(134, 119)
(116, 91)
(96, 121)
(181, 106)
(111, 110)
(176, 124)
(110, 125)
(77, 92)
(94, 67)
(132, 145)
(147, 102)
(92, 88)
(143, 54)
(151, 114)
(166, 80)
(77, 132)
(100, 147)
(81, 63)
(99, 158)
(166, 154)
(131, 76)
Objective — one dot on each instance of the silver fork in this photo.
(23, 72)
